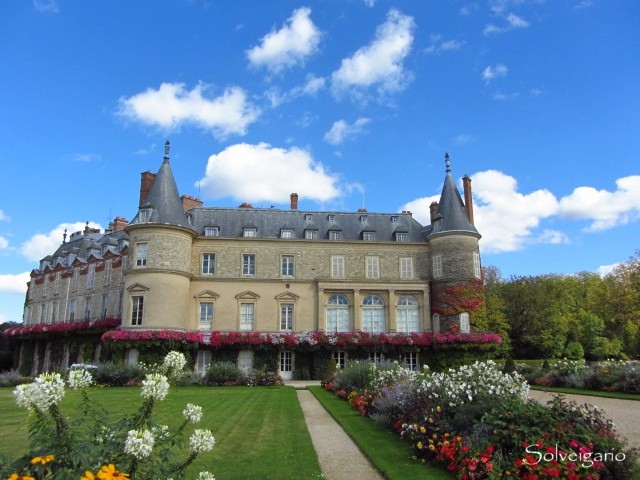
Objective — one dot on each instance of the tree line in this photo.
(573, 316)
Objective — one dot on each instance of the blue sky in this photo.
(349, 103)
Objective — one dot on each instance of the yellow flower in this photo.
(438, 409)
(423, 430)
(88, 476)
(15, 476)
(432, 447)
(43, 460)
(109, 472)
(419, 445)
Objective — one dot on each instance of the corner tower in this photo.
(457, 293)
(160, 239)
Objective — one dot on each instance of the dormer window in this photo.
(144, 215)
(212, 231)
(368, 236)
(311, 234)
(331, 217)
(122, 244)
(401, 236)
(394, 218)
(335, 235)
(250, 232)
(286, 233)
(363, 219)
(308, 217)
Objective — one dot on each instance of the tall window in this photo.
(406, 268)
(287, 266)
(87, 308)
(205, 319)
(408, 314)
(56, 283)
(436, 323)
(476, 265)
(373, 314)
(45, 285)
(465, 326)
(372, 267)
(142, 251)
(103, 305)
(91, 275)
(208, 263)
(74, 279)
(72, 309)
(437, 266)
(249, 265)
(43, 314)
(203, 359)
(54, 312)
(245, 360)
(247, 316)
(137, 310)
(337, 266)
(286, 316)
(338, 314)
(107, 272)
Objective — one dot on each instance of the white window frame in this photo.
(369, 236)
(91, 275)
(375, 356)
(437, 266)
(248, 265)
(402, 236)
(211, 231)
(335, 234)
(142, 254)
(408, 314)
(205, 315)
(372, 267)
(465, 325)
(372, 313)
(435, 323)
(56, 283)
(311, 234)
(337, 315)
(144, 215)
(337, 266)
(245, 360)
(54, 312)
(107, 271)
(411, 360)
(286, 233)
(208, 264)
(250, 232)
(247, 316)
(477, 270)
(340, 357)
(203, 359)
(87, 307)
(287, 265)
(136, 316)
(406, 268)
(287, 315)
(72, 309)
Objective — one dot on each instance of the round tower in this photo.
(156, 291)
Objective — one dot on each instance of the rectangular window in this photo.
(372, 267)
(465, 326)
(340, 357)
(436, 323)
(142, 251)
(245, 360)
(72, 309)
(56, 283)
(368, 236)
(103, 305)
(337, 266)
(401, 236)
(206, 315)
(286, 234)
(335, 234)
(91, 275)
(376, 357)
(411, 361)
(250, 232)
(107, 272)
(287, 266)
(87, 308)
(249, 265)
(311, 234)
(45, 286)
(123, 267)
(43, 313)
(211, 231)
(246, 316)
(74, 279)
(144, 215)
(286, 316)
(437, 266)
(137, 310)
(406, 268)
(54, 312)
(203, 360)
(477, 271)
(208, 263)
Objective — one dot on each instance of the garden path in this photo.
(340, 458)
(624, 413)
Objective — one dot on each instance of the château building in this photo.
(260, 287)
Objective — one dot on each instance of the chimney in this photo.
(294, 201)
(189, 202)
(245, 205)
(468, 200)
(433, 210)
(118, 224)
(146, 180)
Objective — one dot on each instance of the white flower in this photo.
(79, 379)
(155, 386)
(174, 362)
(206, 476)
(160, 432)
(46, 390)
(139, 443)
(202, 441)
(192, 412)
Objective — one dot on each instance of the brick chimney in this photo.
(245, 205)
(118, 224)
(294, 201)
(433, 210)
(189, 202)
(146, 180)
(468, 199)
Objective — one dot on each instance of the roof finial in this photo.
(167, 147)
(64, 236)
(447, 162)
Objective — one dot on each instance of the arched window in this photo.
(408, 314)
(337, 315)
(373, 314)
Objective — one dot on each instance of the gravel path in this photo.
(624, 413)
(340, 458)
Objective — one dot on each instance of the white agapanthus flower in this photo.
(46, 390)
(202, 441)
(174, 361)
(155, 386)
(139, 443)
(79, 379)
(192, 412)
(206, 476)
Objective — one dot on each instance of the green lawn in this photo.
(390, 455)
(260, 432)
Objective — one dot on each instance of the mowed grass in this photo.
(260, 431)
(386, 451)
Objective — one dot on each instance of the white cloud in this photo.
(469, 9)
(274, 174)
(605, 270)
(172, 105)
(46, 6)
(369, 3)
(437, 45)
(312, 86)
(14, 284)
(42, 244)
(491, 73)
(605, 209)
(463, 139)
(289, 46)
(4, 243)
(340, 130)
(511, 21)
(379, 64)
(86, 157)
(4, 217)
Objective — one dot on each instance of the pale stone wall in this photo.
(457, 255)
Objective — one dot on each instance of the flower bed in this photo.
(478, 423)
(63, 327)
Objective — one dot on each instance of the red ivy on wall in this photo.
(452, 299)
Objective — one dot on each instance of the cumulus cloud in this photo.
(606, 209)
(379, 64)
(172, 105)
(4, 243)
(14, 284)
(4, 217)
(497, 71)
(438, 45)
(311, 86)
(510, 21)
(264, 173)
(340, 130)
(291, 45)
(42, 244)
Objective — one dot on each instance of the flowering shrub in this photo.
(133, 447)
(63, 327)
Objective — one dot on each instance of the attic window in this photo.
(394, 219)
(211, 231)
(331, 217)
(122, 243)
(308, 217)
(250, 232)
(335, 235)
(311, 234)
(286, 233)
(144, 215)
(368, 236)
(401, 236)
(363, 218)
